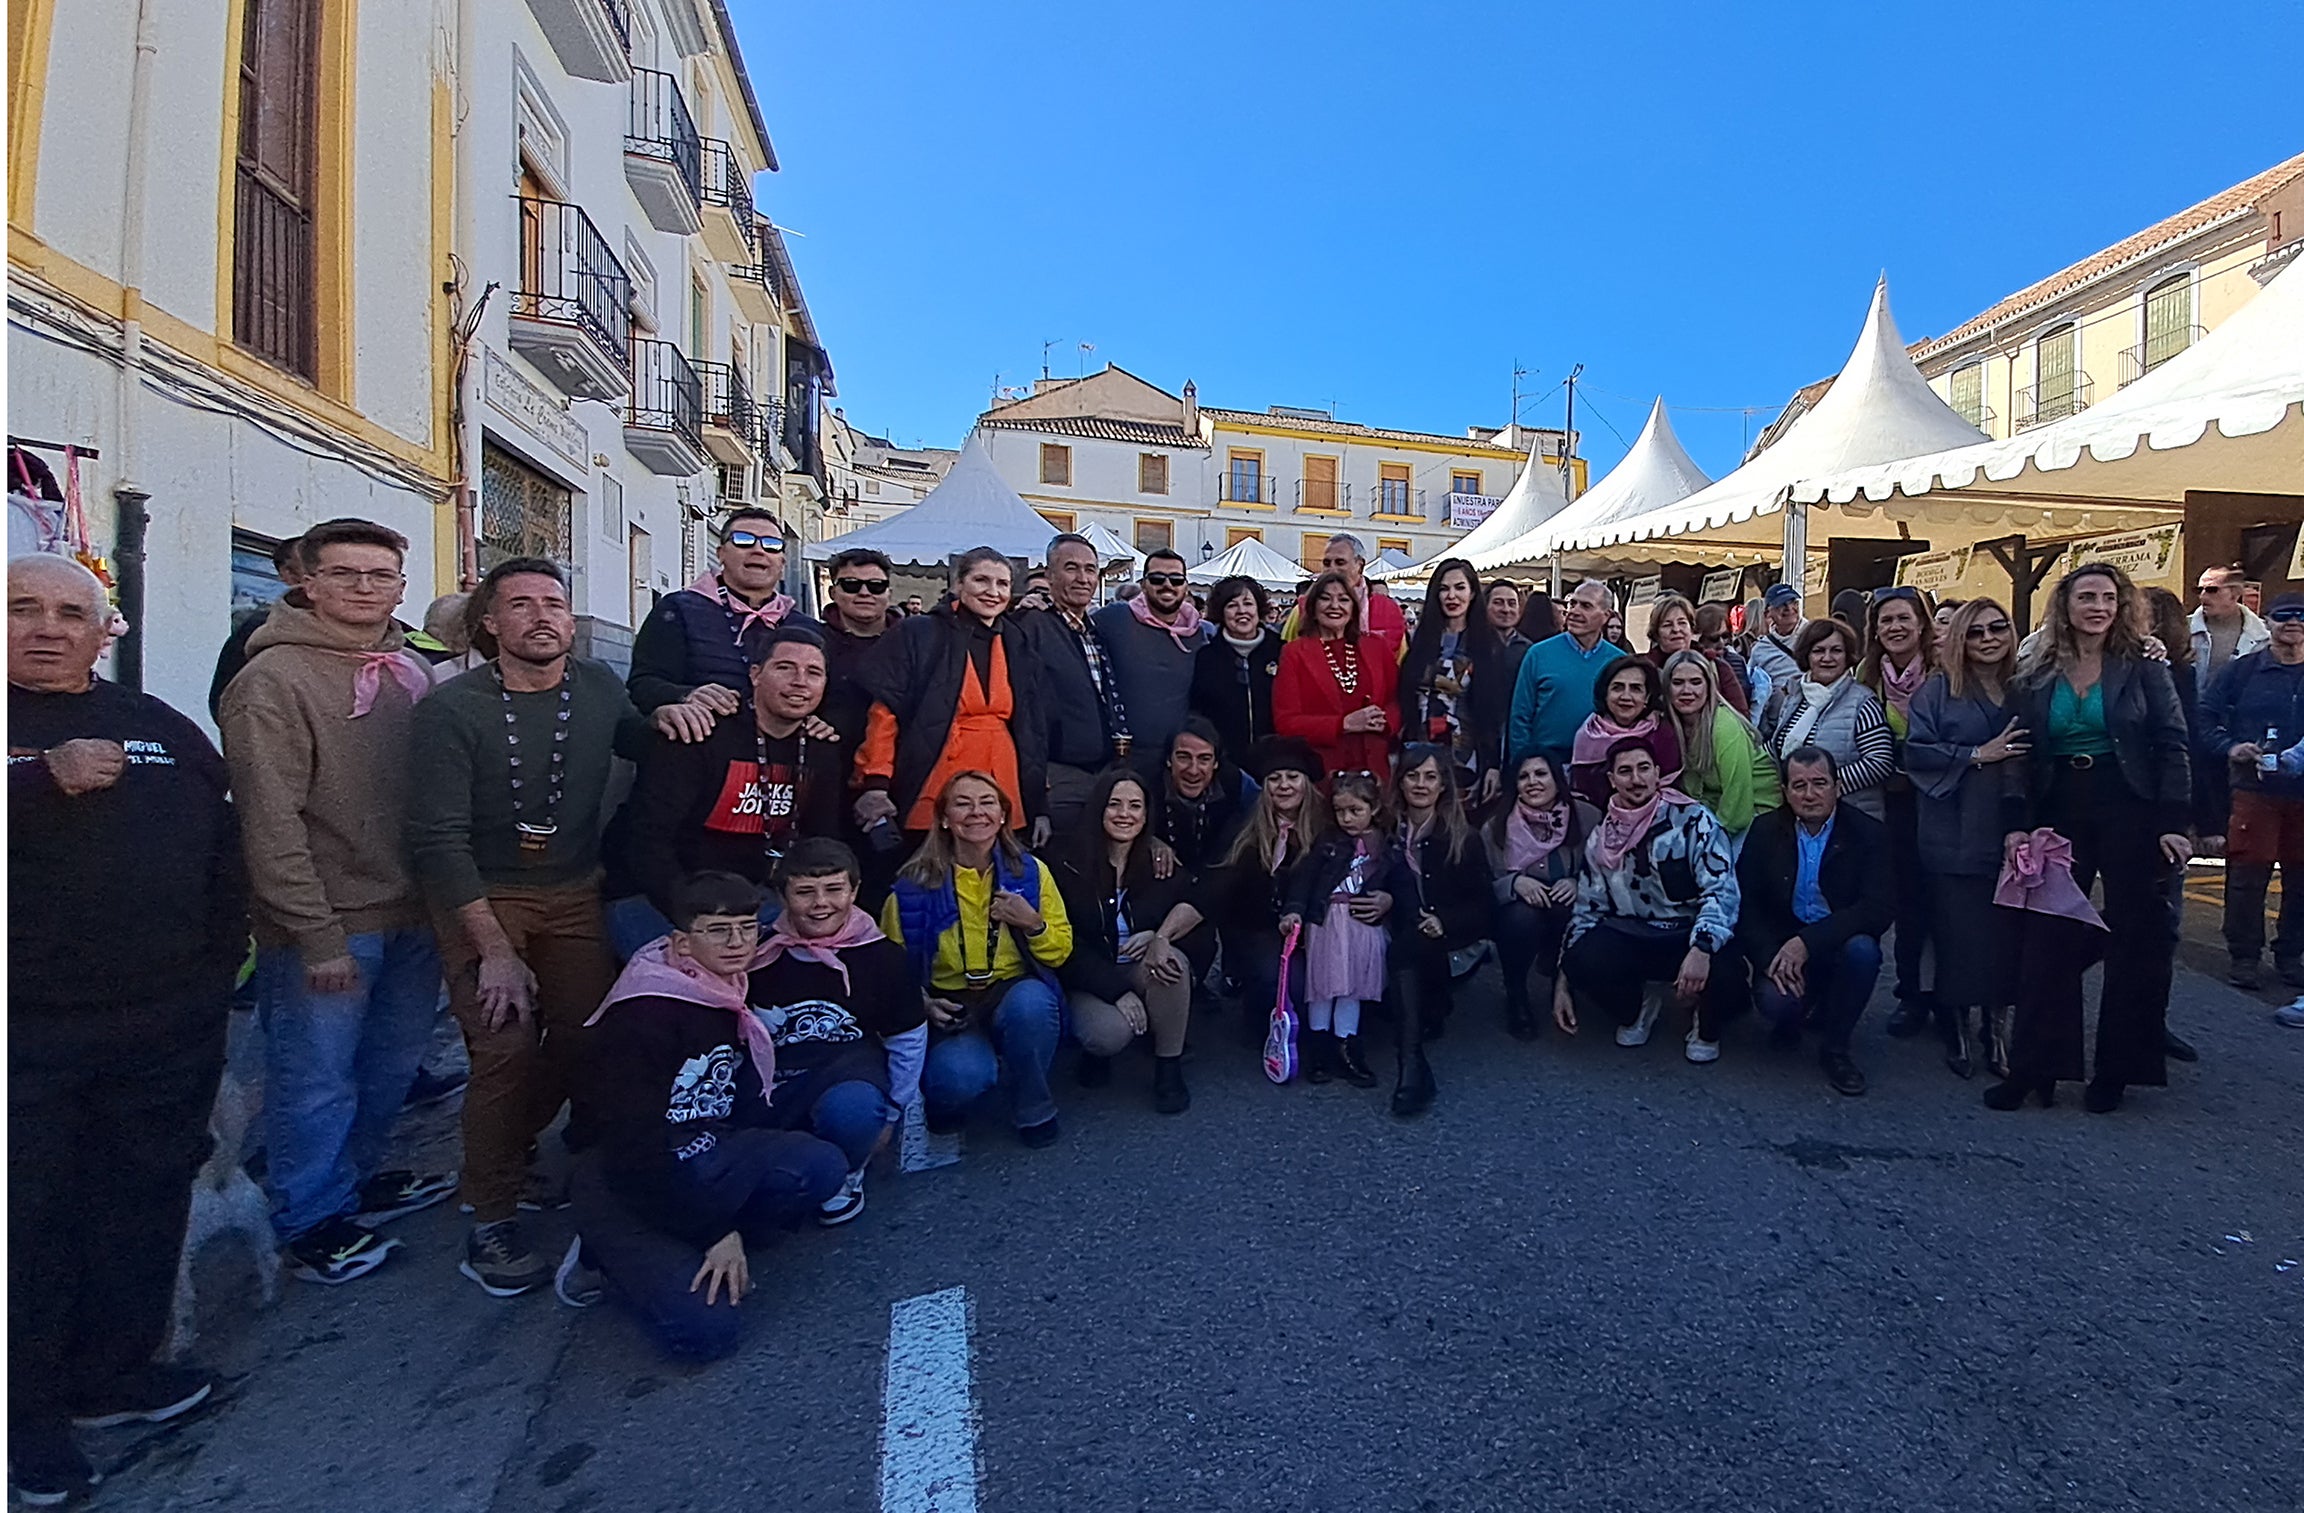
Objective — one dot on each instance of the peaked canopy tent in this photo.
(1878, 409)
(1539, 494)
(973, 506)
(1657, 472)
(1112, 552)
(1249, 558)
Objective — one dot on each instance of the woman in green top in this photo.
(1722, 765)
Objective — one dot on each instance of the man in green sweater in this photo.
(510, 773)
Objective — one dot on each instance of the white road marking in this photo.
(928, 1433)
(920, 1151)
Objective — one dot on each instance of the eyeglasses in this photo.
(748, 539)
(1165, 580)
(348, 577)
(729, 932)
(861, 585)
(1980, 629)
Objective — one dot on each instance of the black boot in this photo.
(1169, 1094)
(1519, 1018)
(2010, 1095)
(1959, 1048)
(1911, 1016)
(1414, 1089)
(1351, 1064)
(2102, 1097)
(1319, 1056)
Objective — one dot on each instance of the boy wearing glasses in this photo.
(696, 645)
(688, 1169)
(1152, 640)
(317, 731)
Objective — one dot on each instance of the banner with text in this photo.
(2154, 557)
(1468, 510)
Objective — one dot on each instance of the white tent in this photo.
(1657, 471)
(1877, 410)
(1539, 494)
(1111, 551)
(2220, 416)
(1390, 563)
(1249, 558)
(973, 506)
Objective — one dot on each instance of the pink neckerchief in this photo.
(1528, 841)
(2039, 878)
(1899, 687)
(1186, 630)
(653, 972)
(856, 930)
(1598, 733)
(767, 616)
(407, 670)
(1623, 827)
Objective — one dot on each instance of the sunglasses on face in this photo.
(861, 585)
(2286, 616)
(1165, 580)
(1979, 631)
(1904, 591)
(747, 539)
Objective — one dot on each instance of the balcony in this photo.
(727, 205)
(1247, 489)
(730, 420)
(1397, 501)
(1982, 417)
(591, 38)
(2043, 403)
(664, 427)
(775, 459)
(2142, 358)
(663, 156)
(1324, 494)
(572, 311)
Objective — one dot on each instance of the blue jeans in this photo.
(962, 1068)
(337, 1068)
(1839, 986)
(633, 922)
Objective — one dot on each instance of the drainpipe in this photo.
(130, 498)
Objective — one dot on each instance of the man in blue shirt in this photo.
(1554, 694)
(1814, 879)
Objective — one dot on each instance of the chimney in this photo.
(1191, 408)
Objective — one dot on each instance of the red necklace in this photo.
(1344, 662)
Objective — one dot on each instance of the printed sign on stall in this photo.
(2154, 558)
(1934, 572)
(1720, 587)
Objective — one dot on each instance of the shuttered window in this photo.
(1055, 465)
(1151, 473)
(2058, 371)
(1968, 393)
(273, 303)
(522, 512)
(2167, 320)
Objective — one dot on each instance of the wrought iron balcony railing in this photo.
(667, 394)
(2040, 404)
(660, 127)
(569, 275)
(2154, 350)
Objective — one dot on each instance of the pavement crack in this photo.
(523, 1452)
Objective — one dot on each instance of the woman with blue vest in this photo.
(985, 928)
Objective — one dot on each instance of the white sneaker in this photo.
(1636, 1033)
(1701, 1050)
(574, 1283)
(845, 1204)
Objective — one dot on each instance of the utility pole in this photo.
(1512, 416)
(1568, 439)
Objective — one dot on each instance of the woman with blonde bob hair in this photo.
(1958, 748)
(2110, 772)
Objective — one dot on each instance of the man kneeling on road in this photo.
(850, 1025)
(689, 1166)
(1814, 877)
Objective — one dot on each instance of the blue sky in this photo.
(1383, 207)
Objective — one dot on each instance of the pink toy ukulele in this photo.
(1280, 1039)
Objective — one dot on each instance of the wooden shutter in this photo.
(1968, 393)
(2167, 320)
(1055, 464)
(2057, 356)
(1319, 483)
(1151, 473)
(273, 303)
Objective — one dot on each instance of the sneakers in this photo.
(845, 1204)
(45, 1469)
(397, 1194)
(337, 1252)
(538, 1194)
(2290, 1015)
(498, 1258)
(1701, 1051)
(433, 1087)
(574, 1283)
(1636, 1033)
(152, 1395)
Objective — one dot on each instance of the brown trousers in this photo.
(523, 1072)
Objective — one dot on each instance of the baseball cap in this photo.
(1782, 593)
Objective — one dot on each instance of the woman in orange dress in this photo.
(944, 700)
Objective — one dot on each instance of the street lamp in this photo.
(1207, 549)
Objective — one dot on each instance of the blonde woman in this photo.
(1722, 765)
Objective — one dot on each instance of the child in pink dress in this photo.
(1345, 889)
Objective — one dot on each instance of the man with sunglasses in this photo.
(2223, 628)
(693, 646)
(862, 582)
(1152, 640)
(2252, 711)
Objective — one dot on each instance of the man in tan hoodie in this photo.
(316, 730)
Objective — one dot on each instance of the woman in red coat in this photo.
(1336, 687)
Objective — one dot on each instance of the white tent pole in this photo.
(1555, 575)
(1795, 570)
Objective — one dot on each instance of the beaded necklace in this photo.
(536, 836)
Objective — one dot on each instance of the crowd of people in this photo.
(732, 913)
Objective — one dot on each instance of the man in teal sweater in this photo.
(1554, 694)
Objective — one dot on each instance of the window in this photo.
(1392, 496)
(1968, 394)
(1244, 479)
(2167, 320)
(1155, 535)
(1394, 544)
(1461, 482)
(2057, 370)
(871, 485)
(1311, 547)
(611, 507)
(699, 317)
(1062, 520)
(1319, 484)
(1055, 464)
(255, 581)
(1235, 534)
(274, 306)
(1151, 473)
(523, 513)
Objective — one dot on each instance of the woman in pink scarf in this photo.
(1535, 850)
(1627, 703)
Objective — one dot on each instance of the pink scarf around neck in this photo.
(1528, 841)
(856, 930)
(654, 972)
(767, 616)
(1899, 687)
(1598, 733)
(1186, 630)
(406, 669)
(1623, 827)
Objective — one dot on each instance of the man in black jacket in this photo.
(127, 920)
(695, 644)
(1814, 878)
(1077, 702)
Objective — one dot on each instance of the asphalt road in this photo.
(1591, 1278)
